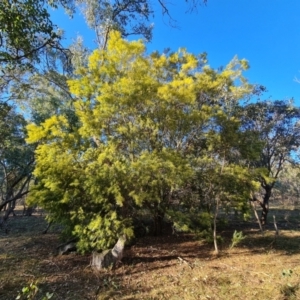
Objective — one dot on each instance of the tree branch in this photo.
(18, 196)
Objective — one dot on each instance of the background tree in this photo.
(224, 181)
(16, 159)
(287, 187)
(26, 29)
(278, 126)
(130, 17)
(25, 32)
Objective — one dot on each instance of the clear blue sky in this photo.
(265, 32)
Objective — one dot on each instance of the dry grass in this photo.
(166, 267)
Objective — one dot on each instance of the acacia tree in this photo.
(139, 121)
(278, 126)
(224, 180)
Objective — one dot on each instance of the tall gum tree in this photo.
(16, 159)
(277, 123)
(26, 33)
(26, 29)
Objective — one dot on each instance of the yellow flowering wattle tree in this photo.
(143, 122)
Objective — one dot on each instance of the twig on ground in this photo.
(182, 260)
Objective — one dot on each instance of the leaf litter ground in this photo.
(164, 267)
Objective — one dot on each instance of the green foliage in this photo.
(236, 238)
(287, 187)
(190, 221)
(16, 157)
(278, 128)
(130, 17)
(288, 290)
(43, 95)
(277, 124)
(25, 31)
(287, 273)
(29, 292)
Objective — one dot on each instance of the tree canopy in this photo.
(143, 132)
(16, 158)
(277, 125)
(25, 32)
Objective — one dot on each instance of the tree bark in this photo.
(48, 227)
(110, 257)
(29, 211)
(256, 216)
(158, 222)
(215, 227)
(265, 204)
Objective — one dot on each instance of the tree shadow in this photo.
(287, 241)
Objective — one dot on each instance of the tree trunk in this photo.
(256, 216)
(158, 222)
(110, 257)
(215, 227)
(29, 211)
(265, 204)
(48, 227)
(9, 210)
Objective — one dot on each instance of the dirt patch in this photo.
(165, 267)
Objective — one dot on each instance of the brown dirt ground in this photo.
(165, 267)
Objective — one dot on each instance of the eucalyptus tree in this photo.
(223, 178)
(287, 187)
(277, 124)
(26, 31)
(130, 17)
(16, 158)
